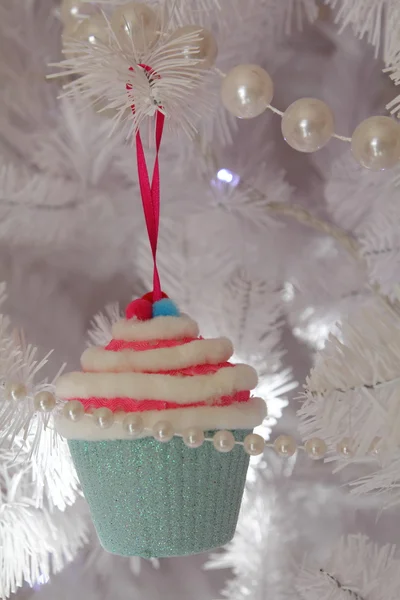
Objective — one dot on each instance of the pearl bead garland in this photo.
(193, 437)
(103, 417)
(163, 431)
(375, 143)
(254, 444)
(16, 391)
(285, 445)
(133, 424)
(315, 448)
(70, 11)
(344, 448)
(246, 91)
(308, 124)
(93, 30)
(224, 441)
(205, 50)
(73, 13)
(44, 401)
(73, 410)
(135, 22)
(375, 446)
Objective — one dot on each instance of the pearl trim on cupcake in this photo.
(236, 416)
(102, 425)
(159, 328)
(197, 352)
(154, 386)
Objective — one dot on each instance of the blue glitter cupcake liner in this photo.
(154, 499)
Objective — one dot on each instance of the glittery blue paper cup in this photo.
(154, 499)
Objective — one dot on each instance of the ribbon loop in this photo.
(150, 192)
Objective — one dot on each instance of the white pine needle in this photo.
(100, 332)
(384, 483)
(379, 239)
(357, 570)
(251, 316)
(36, 543)
(353, 390)
(366, 17)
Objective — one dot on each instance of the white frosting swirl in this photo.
(155, 386)
(198, 352)
(159, 328)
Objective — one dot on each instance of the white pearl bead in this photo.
(315, 448)
(44, 401)
(74, 410)
(308, 124)
(133, 424)
(103, 417)
(345, 448)
(204, 50)
(224, 441)
(163, 431)
(254, 444)
(375, 446)
(70, 11)
(285, 445)
(16, 391)
(93, 30)
(138, 22)
(375, 143)
(246, 91)
(193, 437)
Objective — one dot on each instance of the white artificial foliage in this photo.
(383, 483)
(49, 477)
(253, 339)
(380, 247)
(251, 553)
(38, 482)
(353, 390)
(187, 267)
(353, 192)
(253, 320)
(171, 82)
(69, 199)
(357, 569)
(394, 70)
(182, 13)
(100, 332)
(290, 14)
(35, 543)
(248, 203)
(367, 17)
(19, 365)
(317, 300)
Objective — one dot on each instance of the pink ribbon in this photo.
(150, 192)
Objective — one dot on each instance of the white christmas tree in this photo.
(269, 246)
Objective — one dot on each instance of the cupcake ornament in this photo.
(139, 419)
(157, 420)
